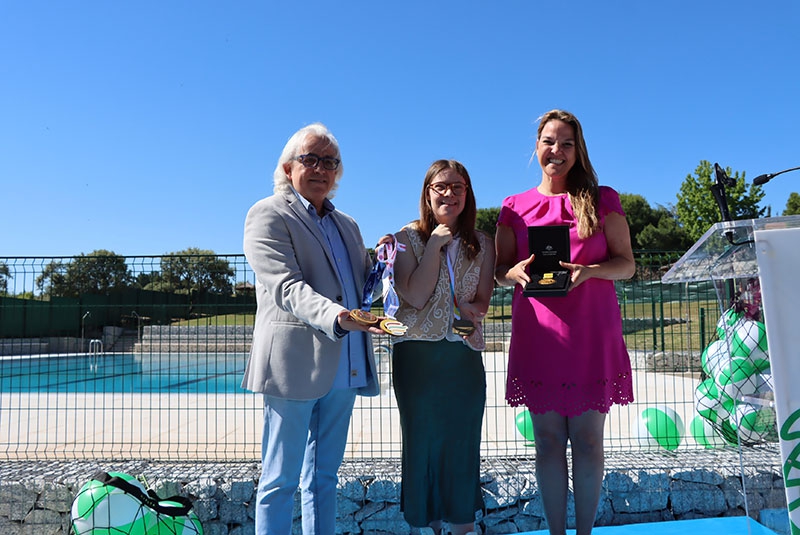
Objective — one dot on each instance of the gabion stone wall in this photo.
(35, 497)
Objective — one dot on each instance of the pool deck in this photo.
(65, 437)
(227, 427)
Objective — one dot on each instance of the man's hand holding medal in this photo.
(382, 270)
(384, 323)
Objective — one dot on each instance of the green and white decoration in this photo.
(659, 427)
(116, 503)
(735, 399)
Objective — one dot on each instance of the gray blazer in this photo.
(295, 353)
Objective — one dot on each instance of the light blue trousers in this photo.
(303, 444)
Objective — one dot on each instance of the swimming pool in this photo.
(192, 373)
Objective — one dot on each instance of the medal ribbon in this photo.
(369, 286)
(456, 311)
(386, 254)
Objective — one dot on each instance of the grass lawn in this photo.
(666, 335)
(697, 329)
(221, 320)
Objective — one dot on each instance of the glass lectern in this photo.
(747, 393)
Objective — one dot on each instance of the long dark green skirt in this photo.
(441, 392)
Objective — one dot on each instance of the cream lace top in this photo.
(434, 321)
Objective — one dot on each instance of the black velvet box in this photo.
(549, 245)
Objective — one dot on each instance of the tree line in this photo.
(190, 271)
(664, 228)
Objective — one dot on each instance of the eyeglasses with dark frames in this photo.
(441, 188)
(313, 160)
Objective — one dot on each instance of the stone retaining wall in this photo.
(39, 346)
(35, 497)
(195, 339)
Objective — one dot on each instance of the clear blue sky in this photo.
(151, 126)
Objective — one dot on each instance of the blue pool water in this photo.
(194, 373)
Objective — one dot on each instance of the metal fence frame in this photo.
(666, 328)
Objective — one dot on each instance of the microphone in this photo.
(763, 179)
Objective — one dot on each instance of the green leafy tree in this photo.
(486, 220)
(639, 214)
(98, 272)
(5, 274)
(145, 279)
(653, 228)
(52, 281)
(666, 234)
(195, 270)
(697, 209)
(792, 204)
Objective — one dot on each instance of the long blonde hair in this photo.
(582, 186)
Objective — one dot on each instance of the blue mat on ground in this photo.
(733, 525)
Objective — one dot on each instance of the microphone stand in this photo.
(718, 189)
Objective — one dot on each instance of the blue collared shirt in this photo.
(352, 372)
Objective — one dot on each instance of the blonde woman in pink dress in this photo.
(568, 363)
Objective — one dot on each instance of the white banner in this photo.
(778, 252)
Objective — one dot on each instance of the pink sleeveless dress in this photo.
(567, 354)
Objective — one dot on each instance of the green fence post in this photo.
(702, 328)
(653, 315)
(661, 322)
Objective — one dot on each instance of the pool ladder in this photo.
(95, 349)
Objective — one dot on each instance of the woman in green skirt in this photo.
(444, 280)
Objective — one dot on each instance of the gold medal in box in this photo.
(547, 279)
(549, 246)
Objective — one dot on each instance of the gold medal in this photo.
(547, 279)
(463, 327)
(363, 317)
(393, 327)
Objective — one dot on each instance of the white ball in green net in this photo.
(101, 509)
(713, 355)
(754, 424)
(707, 401)
(727, 323)
(760, 359)
(176, 525)
(748, 335)
(728, 432)
(737, 377)
(659, 427)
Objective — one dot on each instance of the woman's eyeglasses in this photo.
(441, 188)
(312, 160)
